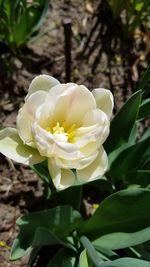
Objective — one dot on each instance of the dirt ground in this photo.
(101, 57)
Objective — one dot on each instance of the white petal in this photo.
(96, 169)
(49, 146)
(26, 116)
(73, 102)
(81, 102)
(44, 114)
(95, 128)
(76, 164)
(12, 147)
(42, 83)
(61, 178)
(104, 100)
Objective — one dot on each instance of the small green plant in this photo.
(19, 19)
(136, 12)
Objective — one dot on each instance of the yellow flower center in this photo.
(62, 129)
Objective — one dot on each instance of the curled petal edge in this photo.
(104, 100)
(62, 178)
(12, 147)
(42, 82)
(96, 169)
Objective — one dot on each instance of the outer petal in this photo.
(26, 116)
(62, 178)
(104, 100)
(96, 169)
(76, 164)
(12, 147)
(42, 82)
(93, 133)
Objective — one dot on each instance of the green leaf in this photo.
(39, 14)
(41, 169)
(129, 160)
(139, 6)
(115, 153)
(126, 262)
(45, 237)
(63, 258)
(12, 147)
(126, 211)
(120, 240)
(56, 223)
(71, 196)
(144, 109)
(139, 177)
(83, 260)
(93, 255)
(123, 123)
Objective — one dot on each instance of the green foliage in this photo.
(123, 122)
(126, 262)
(128, 161)
(19, 20)
(49, 227)
(63, 258)
(136, 12)
(125, 211)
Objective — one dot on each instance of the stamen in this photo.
(61, 129)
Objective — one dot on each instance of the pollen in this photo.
(58, 129)
(61, 128)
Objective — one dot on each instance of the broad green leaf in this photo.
(20, 31)
(71, 196)
(42, 170)
(59, 222)
(120, 240)
(12, 147)
(123, 123)
(115, 153)
(144, 110)
(45, 237)
(126, 262)
(126, 211)
(63, 258)
(91, 252)
(129, 160)
(139, 177)
(83, 260)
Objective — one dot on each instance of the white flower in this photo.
(65, 124)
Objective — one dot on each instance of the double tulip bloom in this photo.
(66, 125)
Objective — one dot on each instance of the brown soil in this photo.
(101, 57)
